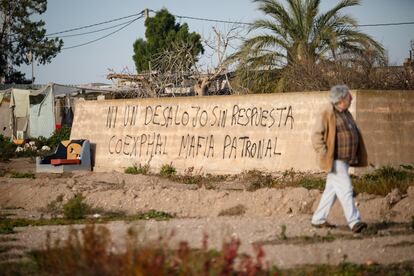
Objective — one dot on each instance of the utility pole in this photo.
(30, 57)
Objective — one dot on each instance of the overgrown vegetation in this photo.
(59, 135)
(138, 169)
(7, 225)
(55, 207)
(22, 175)
(385, 179)
(167, 170)
(76, 208)
(7, 149)
(153, 214)
(379, 182)
(412, 222)
(256, 179)
(40, 146)
(88, 252)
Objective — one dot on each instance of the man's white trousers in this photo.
(338, 185)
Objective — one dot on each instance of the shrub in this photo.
(75, 208)
(6, 227)
(89, 252)
(138, 169)
(383, 180)
(167, 170)
(59, 135)
(7, 149)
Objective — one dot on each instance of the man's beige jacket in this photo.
(323, 140)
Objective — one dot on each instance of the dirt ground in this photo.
(259, 218)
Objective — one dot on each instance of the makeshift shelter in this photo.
(5, 129)
(33, 113)
(42, 115)
(28, 113)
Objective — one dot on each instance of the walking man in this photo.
(338, 143)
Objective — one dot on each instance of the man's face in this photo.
(345, 103)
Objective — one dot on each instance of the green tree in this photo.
(161, 33)
(299, 33)
(20, 34)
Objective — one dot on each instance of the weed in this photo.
(292, 178)
(312, 183)
(167, 170)
(237, 210)
(138, 169)
(2, 173)
(412, 222)
(153, 214)
(282, 235)
(88, 252)
(6, 227)
(54, 208)
(383, 180)
(7, 149)
(188, 177)
(75, 208)
(22, 175)
(59, 135)
(256, 179)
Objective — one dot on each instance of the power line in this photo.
(386, 24)
(91, 32)
(96, 24)
(102, 37)
(213, 20)
(246, 23)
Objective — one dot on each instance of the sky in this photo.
(91, 63)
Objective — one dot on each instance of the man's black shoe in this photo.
(359, 226)
(324, 225)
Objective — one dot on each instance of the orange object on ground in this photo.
(57, 162)
(73, 151)
(18, 141)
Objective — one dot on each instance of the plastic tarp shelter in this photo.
(42, 116)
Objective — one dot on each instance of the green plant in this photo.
(153, 214)
(6, 227)
(22, 175)
(188, 177)
(312, 183)
(383, 180)
(167, 170)
(138, 169)
(7, 149)
(75, 208)
(256, 179)
(282, 234)
(59, 135)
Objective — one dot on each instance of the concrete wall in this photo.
(230, 134)
(386, 120)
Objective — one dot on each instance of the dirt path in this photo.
(257, 217)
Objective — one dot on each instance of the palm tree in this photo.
(300, 33)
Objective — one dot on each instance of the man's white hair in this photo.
(338, 92)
